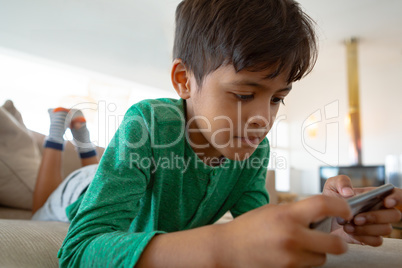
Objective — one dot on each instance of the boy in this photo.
(176, 166)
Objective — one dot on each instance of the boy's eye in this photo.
(244, 97)
(278, 100)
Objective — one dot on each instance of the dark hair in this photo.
(253, 35)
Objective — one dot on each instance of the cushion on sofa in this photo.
(19, 162)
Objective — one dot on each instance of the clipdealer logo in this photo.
(326, 121)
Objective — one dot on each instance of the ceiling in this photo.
(132, 39)
(370, 20)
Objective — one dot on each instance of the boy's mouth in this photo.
(250, 140)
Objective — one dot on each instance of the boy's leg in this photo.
(85, 147)
(49, 175)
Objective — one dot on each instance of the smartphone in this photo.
(371, 200)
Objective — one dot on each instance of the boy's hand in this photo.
(279, 235)
(368, 227)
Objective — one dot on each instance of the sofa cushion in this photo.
(30, 243)
(19, 162)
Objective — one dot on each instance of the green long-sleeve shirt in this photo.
(150, 181)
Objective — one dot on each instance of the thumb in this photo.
(341, 185)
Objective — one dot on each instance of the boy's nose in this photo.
(261, 116)
(259, 121)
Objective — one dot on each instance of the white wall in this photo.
(380, 63)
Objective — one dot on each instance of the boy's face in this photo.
(232, 112)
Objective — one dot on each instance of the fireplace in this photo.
(361, 176)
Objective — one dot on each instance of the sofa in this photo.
(26, 243)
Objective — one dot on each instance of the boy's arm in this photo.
(99, 233)
(270, 236)
(198, 247)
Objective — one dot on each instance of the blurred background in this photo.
(103, 56)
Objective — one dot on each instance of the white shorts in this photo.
(66, 193)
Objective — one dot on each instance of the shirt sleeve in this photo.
(256, 194)
(99, 232)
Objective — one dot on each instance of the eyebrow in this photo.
(257, 85)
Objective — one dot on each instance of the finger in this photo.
(374, 241)
(368, 230)
(341, 185)
(310, 259)
(320, 242)
(318, 207)
(394, 199)
(379, 216)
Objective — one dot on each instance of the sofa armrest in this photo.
(30, 243)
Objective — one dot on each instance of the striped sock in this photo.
(81, 137)
(58, 126)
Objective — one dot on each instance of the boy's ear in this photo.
(181, 79)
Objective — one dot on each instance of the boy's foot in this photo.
(58, 126)
(81, 136)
